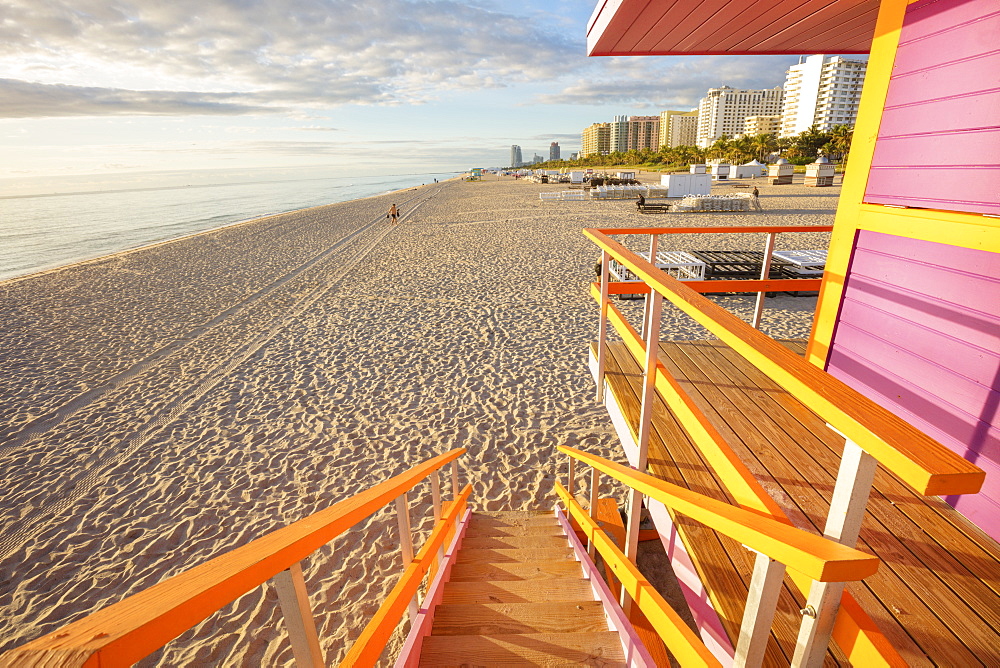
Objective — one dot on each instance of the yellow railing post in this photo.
(647, 302)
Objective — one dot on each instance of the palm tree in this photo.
(840, 138)
(764, 145)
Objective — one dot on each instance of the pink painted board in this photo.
(972, 362)
(951, 277)
(967, 148)
(943, 317)
(976, 440)
(961, 41)
(971, 260)
(409, 655)
(932, 17)
(946, 79)
(946, 188)
(976, 73)
(955, 114)
(921, 371)
(633, 648)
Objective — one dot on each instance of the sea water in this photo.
(52, 222)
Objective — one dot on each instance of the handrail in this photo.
(819, 558)
(124, 632)
(371, 643)
(924, 464)
(682, 642)
(769, 229)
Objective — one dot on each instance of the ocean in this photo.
(50, 223)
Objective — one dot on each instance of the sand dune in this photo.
(164, 405)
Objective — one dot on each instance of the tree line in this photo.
(798, 149)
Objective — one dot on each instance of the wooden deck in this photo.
(936, 596)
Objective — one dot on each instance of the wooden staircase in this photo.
(517, 597)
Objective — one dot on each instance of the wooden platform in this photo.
(936, 595)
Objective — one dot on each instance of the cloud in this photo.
(21, 99)
(664, 83)
(306, 53)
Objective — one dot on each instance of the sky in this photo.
(382, 86)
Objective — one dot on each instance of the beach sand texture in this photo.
(164, 405)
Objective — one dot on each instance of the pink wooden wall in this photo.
(938, 145)
(919, 333)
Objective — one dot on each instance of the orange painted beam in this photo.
(371, 643)
(767, 229)
(124, 632)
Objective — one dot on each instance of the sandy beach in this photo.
(164, 405)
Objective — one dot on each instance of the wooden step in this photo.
(512, 519)
(505, 618)
(514, 542)
(524, 649)
(506, 530)
(532, 570)
(523, 556)
(517, 591)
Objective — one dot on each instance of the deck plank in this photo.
(790, 461)
(724, 563)
(936, 596)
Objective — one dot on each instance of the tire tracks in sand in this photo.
(94, 468)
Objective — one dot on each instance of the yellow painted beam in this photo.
(926, 465)
(815, 556)
(682, 642)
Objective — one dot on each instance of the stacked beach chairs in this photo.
(628, 192)
(563, 196)
(731, 202)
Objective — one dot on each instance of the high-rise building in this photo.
(596, 140)
(515, 156)
(618, 134)
(643, 133)
(762, 125)
(554, 151)
(823, 91)
(678, 128)
(722, 111)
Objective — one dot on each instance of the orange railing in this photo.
(127, 631)
(873, 434)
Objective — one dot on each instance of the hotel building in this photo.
(723, 110)
(762, 125)
(823, 91)
(678, 128)
(554, 151)
(596, 140)
(515, 156)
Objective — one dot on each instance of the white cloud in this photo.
(306, 53)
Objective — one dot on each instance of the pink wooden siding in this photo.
(939, 140)
(919, 333)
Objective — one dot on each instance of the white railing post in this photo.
(294, 601)
(436, 495)
(571, 474)
(843, 524)
(595, 485)
(652, 341)
(602, 330)
(765, 273)
(653, 243)
(758, 615)
(406, 544)
(454, 490)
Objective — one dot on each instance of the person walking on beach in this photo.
(756, 198)
(393, 213)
